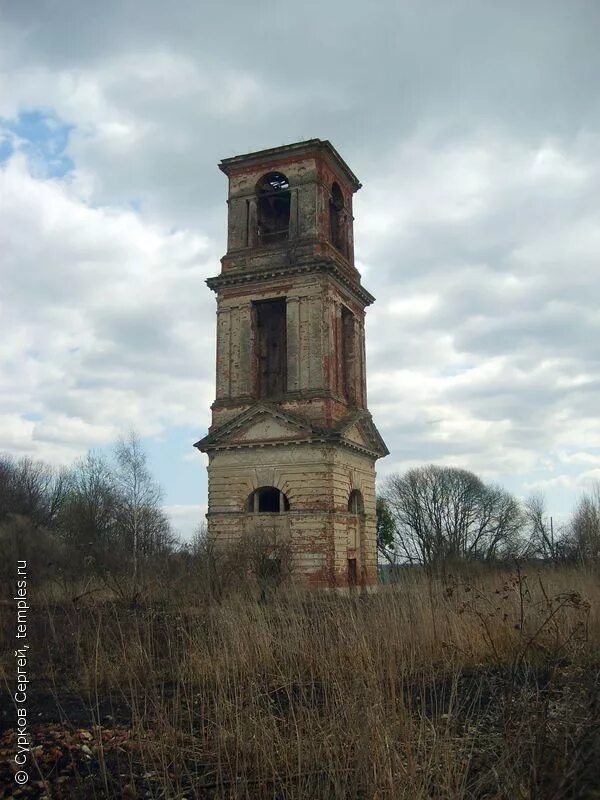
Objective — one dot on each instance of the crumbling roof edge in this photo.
(272, 153)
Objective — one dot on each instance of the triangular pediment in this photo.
(358, 430)
(354, 434)
(259, 425)
(268, 427)
(264, 424)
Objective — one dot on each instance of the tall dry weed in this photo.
(483, 688)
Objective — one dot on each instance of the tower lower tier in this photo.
(319, 500)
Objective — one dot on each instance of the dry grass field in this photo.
(486, 688)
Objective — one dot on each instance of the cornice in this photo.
(326, 440)
(310, 433)
(257, 274)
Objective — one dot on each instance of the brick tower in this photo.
(292, 447)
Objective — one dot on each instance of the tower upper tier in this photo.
(290, 205)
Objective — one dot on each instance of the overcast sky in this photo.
(475, 130)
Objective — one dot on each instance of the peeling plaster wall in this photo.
(317, 482)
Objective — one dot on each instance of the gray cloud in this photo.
(475, 129)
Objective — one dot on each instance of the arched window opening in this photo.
(355, 503)
(273, 208)
(336, 219)
(268, 500)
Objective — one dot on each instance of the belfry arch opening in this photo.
(355, 503)
(267, 500)
(273, 200)
(337, 233)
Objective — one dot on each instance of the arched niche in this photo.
(267, 500)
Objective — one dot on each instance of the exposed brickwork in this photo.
(305, 431)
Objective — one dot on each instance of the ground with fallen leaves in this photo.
(65, 762)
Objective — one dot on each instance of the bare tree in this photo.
(140, 519)
(543, 541)
(445, 514)
(87, 518)
(584, 535)
(31, 489)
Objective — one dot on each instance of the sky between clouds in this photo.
(475, 129)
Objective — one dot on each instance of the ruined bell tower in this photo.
(292, 446)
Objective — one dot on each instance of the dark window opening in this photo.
(352, 574)
(270, 319)
(337, 233)
(355, 502)
(273, 200)
(268, 500)
(347, 354)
